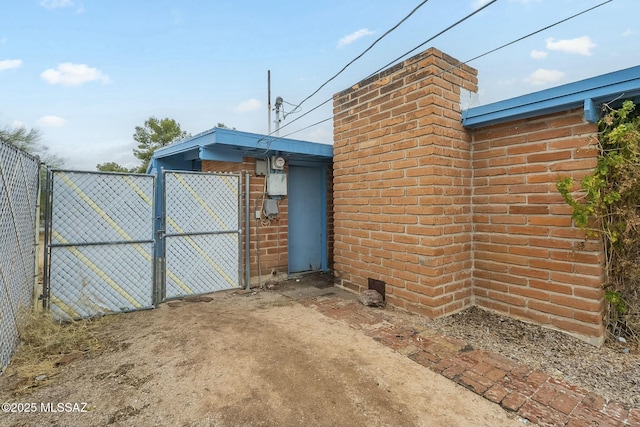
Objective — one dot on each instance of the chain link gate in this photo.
(100, 243)
(201, 233)
(103, 253)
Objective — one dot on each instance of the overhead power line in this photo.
(460, 21)
(389, 31)
(417, 47)
(528, 35)
(461, 63)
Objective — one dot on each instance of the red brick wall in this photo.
(273, 243)
(449, 217)
(402, 185)
(529, 261)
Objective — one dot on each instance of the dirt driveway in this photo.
(256, 359)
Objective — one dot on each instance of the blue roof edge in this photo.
(231, 137)
(246, 140)
(584, 93)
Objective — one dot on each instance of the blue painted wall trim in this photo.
(604, 88)
(220, 155)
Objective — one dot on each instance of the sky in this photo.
(87, 72)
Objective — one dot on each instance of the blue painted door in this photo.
(306, 209)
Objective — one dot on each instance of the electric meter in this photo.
(278, 163)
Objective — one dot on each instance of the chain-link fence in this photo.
(100, 235)
(202, 226)
(19, 185)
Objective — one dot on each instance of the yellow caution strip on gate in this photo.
(101, 274)
(202, 252)
(138, 190)
(148, 200)
(94, 206)
(115, 226)
(233, 187)
(201, 201)
(65, 308)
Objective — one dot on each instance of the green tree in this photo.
(29, 141)
(156, 133)
(113, 167)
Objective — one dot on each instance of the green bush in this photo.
(607, 205)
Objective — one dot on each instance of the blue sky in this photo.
(86, 72)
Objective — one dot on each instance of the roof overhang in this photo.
(588, 94)
(228, 145)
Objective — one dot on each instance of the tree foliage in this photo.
(28, 140)
(113, 167)
(156, 133)
(608, 206)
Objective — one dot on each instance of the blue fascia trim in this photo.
(272, 143)
(235, 139)
(232, 156)
(604, 88)
(194, 142)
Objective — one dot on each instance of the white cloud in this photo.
(62, 4)
(628, 32)
(477, 4)
(539, 54)
(542, 77)
(248, 105)
(69, 74)
(17, 124)
(9, 64)
(581, 45)
(51, 121)
(347, 40)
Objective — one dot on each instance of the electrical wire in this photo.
(297, 107)
(460, 21)
(385, 66)
(389, 31)
(525, 37)
(448, 69)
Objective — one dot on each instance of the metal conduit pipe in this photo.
(261, 197)
(247, 235)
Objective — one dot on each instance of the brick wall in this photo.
(530, 262)
(447, 217)
(402, 185)
(274, 234)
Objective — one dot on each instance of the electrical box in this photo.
(261, 168)
(270, 208)
(277, 184)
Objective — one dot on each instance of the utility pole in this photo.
(269, 102)
(279, 102)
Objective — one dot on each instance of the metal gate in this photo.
(100, 232)
(201, 233)
(103, 252)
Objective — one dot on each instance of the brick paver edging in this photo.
(533, 395)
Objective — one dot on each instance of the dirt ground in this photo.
(255, 358)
